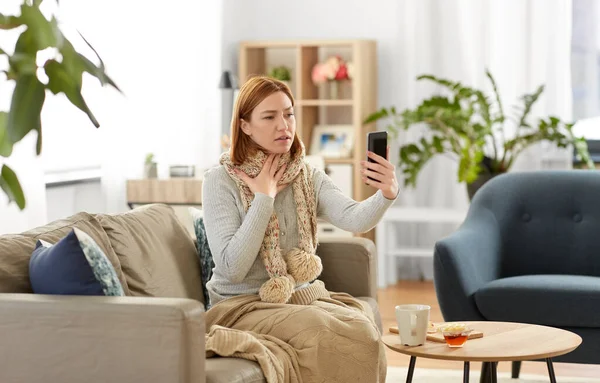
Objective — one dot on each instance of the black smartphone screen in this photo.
(377, 143)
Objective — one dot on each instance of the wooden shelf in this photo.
(339, 161)
(317, 102)
(180, 191)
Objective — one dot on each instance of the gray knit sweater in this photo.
(235, 236)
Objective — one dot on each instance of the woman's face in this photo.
(272, 124)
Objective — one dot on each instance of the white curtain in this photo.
(23, 159)
(165, 56)
(524, 43)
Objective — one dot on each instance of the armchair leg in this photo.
(516, 369)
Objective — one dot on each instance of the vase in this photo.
(151, 170)
(333, 90)
(481, 180)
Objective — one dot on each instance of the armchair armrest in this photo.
(349, 266)
(51, 338)
(465, 261)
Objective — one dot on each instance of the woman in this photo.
(260, 210)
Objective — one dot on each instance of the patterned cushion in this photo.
(206, 260)
(75, 265)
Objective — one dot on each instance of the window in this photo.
(585, 73)
(585, 67)
(585, 58)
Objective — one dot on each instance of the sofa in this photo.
(153, 334)
(528, 251)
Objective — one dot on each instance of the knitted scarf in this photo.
(300, 264)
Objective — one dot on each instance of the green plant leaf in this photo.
(9, 182)
(61, 80)
(5, 143)
(469, 164)
(41, 33)
(9, 22)
(98, 72)
(581, 147)
(452, 85)
(23, 60)
(38, 143)
(382, 113)
(23, 63)
(25, 108)
(75, 63)
(393, 130)
(528, 101)
(500, 116)
(438, 144)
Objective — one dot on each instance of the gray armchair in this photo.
(528, 251)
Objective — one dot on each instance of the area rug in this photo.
(424, 375)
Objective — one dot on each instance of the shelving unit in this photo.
(357, 97)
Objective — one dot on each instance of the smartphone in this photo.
(377, 143)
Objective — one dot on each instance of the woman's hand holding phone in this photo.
(380, 174)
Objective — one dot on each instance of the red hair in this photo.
(252, 93)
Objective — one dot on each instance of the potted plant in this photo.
(150, 167)
(63, 72)
(471, 127)
(281, 73)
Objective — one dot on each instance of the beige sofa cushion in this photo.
(157, 254)
(16, 249)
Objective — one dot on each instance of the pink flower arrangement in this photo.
(333, 69)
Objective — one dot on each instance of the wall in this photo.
(315, 19)
(169, 74)
(64, 201)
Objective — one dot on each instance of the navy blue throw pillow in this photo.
(75, 265)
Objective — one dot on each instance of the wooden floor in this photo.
(424, 293)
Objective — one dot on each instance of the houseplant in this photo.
(60, 73)
(332, 71)
(472, 127)
(281, 73)
(150, 166)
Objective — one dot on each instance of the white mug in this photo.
(413, 321)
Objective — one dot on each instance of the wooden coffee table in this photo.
(502, 341)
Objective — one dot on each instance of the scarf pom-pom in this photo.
(303, 266)
(276, 290)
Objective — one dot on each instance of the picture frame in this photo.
(332, 141)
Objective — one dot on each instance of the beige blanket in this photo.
(329, 337)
